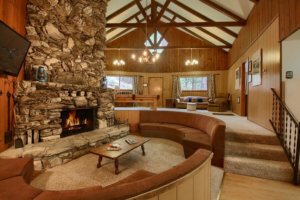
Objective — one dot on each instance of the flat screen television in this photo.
(13, 50)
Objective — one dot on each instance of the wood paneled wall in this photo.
(13, 13)
(260, 97)
(289, 17)
(220, 81)
(171, 60)
(260, 18)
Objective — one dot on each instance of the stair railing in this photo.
(287, 129)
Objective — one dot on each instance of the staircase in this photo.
(256, 154)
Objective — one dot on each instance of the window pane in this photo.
(193, 83)
(112, 82)
(126, 83)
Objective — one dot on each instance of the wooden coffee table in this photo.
(126, 148)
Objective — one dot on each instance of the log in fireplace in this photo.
(78, 120)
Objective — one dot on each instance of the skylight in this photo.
(163, 43)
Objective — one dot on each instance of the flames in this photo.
(74, 121)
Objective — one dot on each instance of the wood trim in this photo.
(175, 24)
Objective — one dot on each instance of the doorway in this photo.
(155, 86)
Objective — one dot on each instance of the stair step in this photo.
(253, 150)
(252, 138)
(274, 170)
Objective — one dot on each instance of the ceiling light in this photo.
(119, 62)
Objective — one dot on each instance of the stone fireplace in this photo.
(76, 121)
(68, 40)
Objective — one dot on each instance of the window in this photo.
(121, 82)
(163, 42)
(193, 83)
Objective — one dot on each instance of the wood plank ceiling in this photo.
(217, 22)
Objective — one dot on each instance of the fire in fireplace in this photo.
(77, 121)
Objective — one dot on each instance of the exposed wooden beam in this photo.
(128, 19)
(153, 10)
(163, 9)
(201, 29)
(201, 16)
(175, 24)
(254, 1)
(222, 10)
(118, 35)
(139, 5)
(121, 10)
(168, 47)
(165, 32)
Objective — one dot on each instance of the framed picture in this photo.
(257, 68)
(250, 66)
(237, 78)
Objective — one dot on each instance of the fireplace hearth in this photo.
(78, 120)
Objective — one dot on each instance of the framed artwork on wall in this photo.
(249, 71)
(237, 78)
(257, 68)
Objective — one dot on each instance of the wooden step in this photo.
(252, 138)
(253, 150)
(274, 170)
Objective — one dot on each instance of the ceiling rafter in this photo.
(191, 32)
(254, 1)
(128, 19)
(139, 5)
(202, 29)
(165, 32)
(118, 35)
(163, 9)
(167, 47)
(121, 10)
(201, 16)
(175, 24)
(222, 10)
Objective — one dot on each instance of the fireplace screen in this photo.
(77, 121)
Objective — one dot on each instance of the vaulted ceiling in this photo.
(217, 22)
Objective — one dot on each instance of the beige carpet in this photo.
(80, 173)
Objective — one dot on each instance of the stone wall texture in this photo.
(68, 38)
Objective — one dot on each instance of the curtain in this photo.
(211, 86)
(176, 91)
(138, 85)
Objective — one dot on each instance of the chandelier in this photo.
(147, 57)
(119, 62)
(191, 61)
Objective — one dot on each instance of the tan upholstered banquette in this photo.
(15, 175)
(193, 131)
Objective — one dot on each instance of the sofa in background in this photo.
(219, 104)
(202, 102)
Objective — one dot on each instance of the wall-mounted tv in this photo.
(13, 50)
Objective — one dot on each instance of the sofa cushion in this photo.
(16, 188)
(16, 167)
(196, 139)
(138, 175)
(162, 130)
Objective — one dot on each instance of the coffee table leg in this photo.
(143, 149)
(117, 166)
(99, 162)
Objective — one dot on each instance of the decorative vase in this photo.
(41, 74)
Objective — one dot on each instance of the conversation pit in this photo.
(168, 166)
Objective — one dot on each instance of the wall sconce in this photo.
(145, 84)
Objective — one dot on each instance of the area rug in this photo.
(161, 155)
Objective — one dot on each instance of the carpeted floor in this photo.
(160, 156)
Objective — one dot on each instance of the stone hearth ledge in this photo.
(57, 152)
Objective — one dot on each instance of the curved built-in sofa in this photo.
(187, 181)
(192, 130)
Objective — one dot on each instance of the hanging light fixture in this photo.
(119, 62)
(146, 56)
(191, 61)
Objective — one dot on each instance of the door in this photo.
(155, 88)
